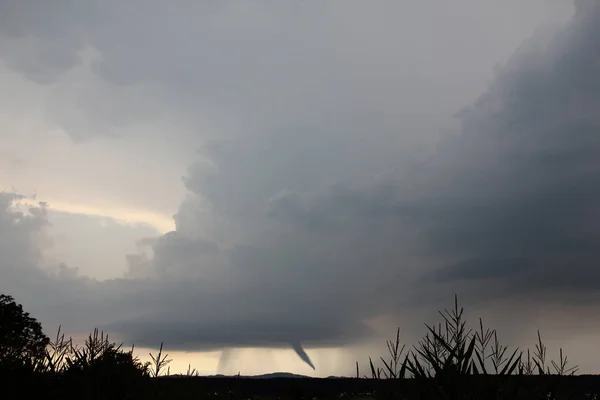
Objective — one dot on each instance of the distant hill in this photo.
(273, 375)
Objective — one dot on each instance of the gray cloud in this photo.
(255, 67)
(309, 212)
(510, 198)
(21, 245)
(524, 172)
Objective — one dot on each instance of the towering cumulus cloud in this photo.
(510, 202)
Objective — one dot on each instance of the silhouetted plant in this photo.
(102, 369)
(449, 353)
(191, 371)
(449, 362)
(561, 368)
(159, 362)
(22, 340)
(395, 369)
(56, 353)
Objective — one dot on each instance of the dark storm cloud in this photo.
(523, 191)
(214, 310)
(514, 195)
(239, 331)
(270, 251)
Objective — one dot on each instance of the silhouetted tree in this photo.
(22, 352)
(21, 336)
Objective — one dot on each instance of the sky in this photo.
(276, 186)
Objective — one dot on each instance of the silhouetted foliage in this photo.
(101, 369)
(30, 363)
(21, 336)
(450, 362)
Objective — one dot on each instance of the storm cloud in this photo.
(323, 193)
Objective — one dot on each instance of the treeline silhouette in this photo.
(450, 362)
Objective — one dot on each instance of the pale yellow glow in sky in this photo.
(257, 361)
(126, 216)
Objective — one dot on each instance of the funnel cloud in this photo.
(302, 354)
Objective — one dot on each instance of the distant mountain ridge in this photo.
(273, 375)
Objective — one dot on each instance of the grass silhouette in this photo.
(449, 362)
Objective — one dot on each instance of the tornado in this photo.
(302, 354)
(224, 361)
